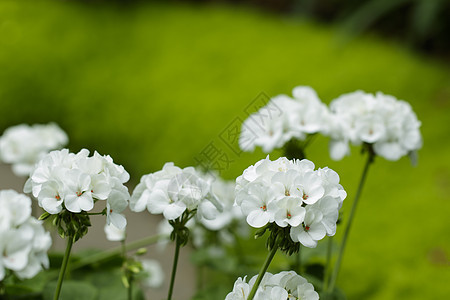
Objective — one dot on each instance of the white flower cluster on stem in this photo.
(23, 241)
(388, 124)
(223, 191)
(291, 193)
(172, 191)
(24, 145)
(63, 180)
(284, 285)
(282, 119)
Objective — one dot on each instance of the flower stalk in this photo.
(326, 277)
(63, 267)
(370, 159)
(174, 268)
(115, 251)
(264, 268)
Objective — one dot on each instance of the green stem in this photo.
(263, 270)
(299, 260)
(174, 268)
(308, 140)
(2, 290)
(63, 267)
(370, 158)
(115, 251)
(200, 271)
(130, 288)
(127, 272)
(326, 279)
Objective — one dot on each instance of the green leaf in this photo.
(44, 216)
(71, 290)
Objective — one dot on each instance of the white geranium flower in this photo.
(63, 180)
(241, 290)
(113, 233)
(284, 285)
(23, 241)
(50, 196)
(15, 251)
(312, 230)
(15, 209)
(384, 122)
(291, 193)
(23, 145)
(309, 115)
(37, 256)
(289, 212)
(115, 204)
(154, 274)
(77, 192)
(224, 192)
(160, 202)
(172, 191)
(283, 119)
(256, 207)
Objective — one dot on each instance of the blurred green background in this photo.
(149, 83)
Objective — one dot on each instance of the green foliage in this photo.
(155, 83)
(99, 281)
(71, 290)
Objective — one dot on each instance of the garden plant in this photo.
(287, 200)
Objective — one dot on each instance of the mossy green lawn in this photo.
(154, 83)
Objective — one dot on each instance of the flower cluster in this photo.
(172, 191)
(390, 125)
(282, 119)
(293, 195)
(24, 145)
(63, 180)
(284, 285)
(23, 241)
(223, 191)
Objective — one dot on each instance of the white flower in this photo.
(386, 123)
(291, 193)
(15, 209)
(224, 192)
(172, 191)
(283, 119)
(289, 212)
(154, 275)
(63, 180)
(115, 204)
(37, 257)
(24, 145)
(284, 285)
(77, 192)
(256, 207)
(312, 230)
(113, 233)
(23, 241)
(159, 202)
(241, 290)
